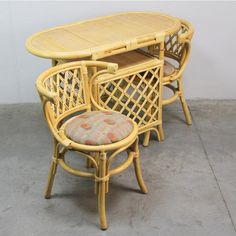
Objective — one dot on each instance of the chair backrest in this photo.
(64, 89)
(177, 45)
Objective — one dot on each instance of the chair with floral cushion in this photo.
(97, 135)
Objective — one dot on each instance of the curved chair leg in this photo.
(52, 171)
(187, 114)
(161, 132)
(137, 169)
(146, 138)
(102, 191)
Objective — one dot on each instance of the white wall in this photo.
(210, 73)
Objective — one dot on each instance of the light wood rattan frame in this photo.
(64, 91)
(177, 48)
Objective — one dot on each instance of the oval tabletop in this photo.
(82, 39)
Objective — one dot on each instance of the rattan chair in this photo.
(97, 135)
(176, 51)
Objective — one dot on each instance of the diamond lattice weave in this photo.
(136, 96)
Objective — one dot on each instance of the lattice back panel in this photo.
(172, 46)
(68, 85)
(136, 96)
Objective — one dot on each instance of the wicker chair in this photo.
(97, 135)
(176, 51)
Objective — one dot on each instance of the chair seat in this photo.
(169, 69)
(98, 128)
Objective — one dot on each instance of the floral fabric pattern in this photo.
(98, 128)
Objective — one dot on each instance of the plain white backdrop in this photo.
(210, 73)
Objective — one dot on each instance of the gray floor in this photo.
(191, 178)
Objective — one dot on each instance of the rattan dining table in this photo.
(115, 33)
(103, 37)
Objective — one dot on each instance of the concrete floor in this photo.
(191, 178)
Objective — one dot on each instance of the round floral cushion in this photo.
(168, 68)
(98, 128)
